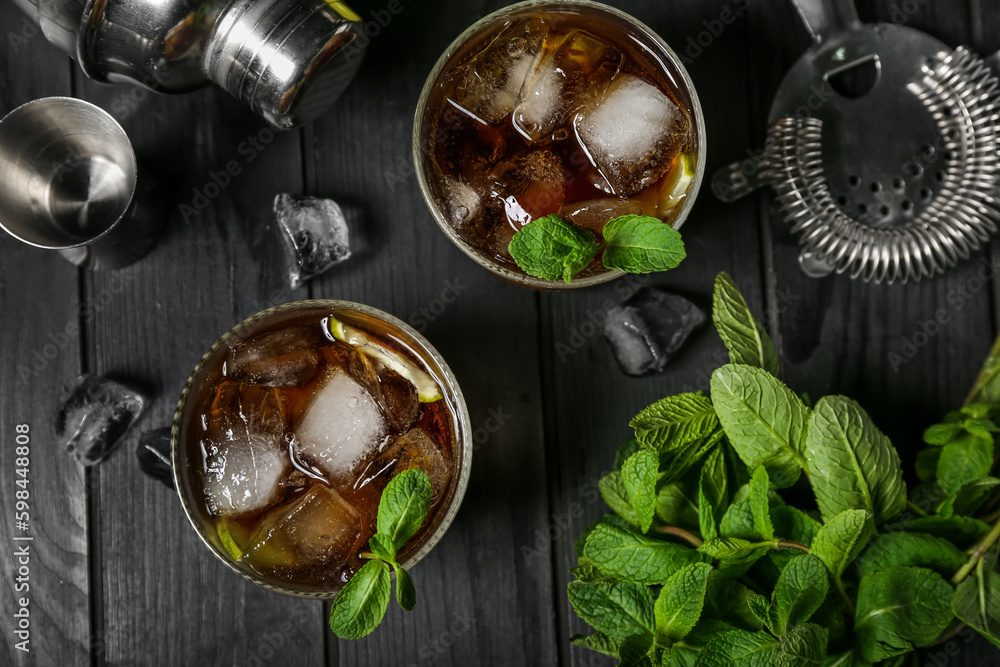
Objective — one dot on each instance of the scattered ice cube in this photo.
(315, 233)
(649, 328)
(340, 428)
(631, 134)
(491, 82)
(593, 214)
(245, 454)
(93, 415)
(318, 528)
(395, 396)
(416, 449)
(153, 454)
(284, 358)
(580, 65)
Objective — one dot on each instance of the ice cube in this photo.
(395, 396)
(649, 328)
(631, 134)
(341, 427)
(153, 453)
(93, 415)
(319, 528)
(462, 201)
(593, 214)
(490, 84)
(315, 234)
(283, 358)
(416, 450)
(581, 65)
(244, 450)
(529, 187)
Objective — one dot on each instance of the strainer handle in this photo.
(825, 18)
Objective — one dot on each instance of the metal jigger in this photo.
(68, 179)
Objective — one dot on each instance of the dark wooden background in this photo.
(119, 578)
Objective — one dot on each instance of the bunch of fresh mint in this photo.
(552, 249)
(706, 562)
(361, 605)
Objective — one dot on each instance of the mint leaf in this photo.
(841, 539)
(962, 531)
(739, 648)
(803, 646)
(639, 475)
(738, 522)
(927, 463)
(892, 549)
(628, 448)
(794, 524)
(641, 244)
(610, 519)
(598, 641)
(977, 602)
(987, 386)
(727, 599)
(406, 593)
(712, 494)
(941, 434)
(735, 556)
(675, 421)
(801, 589)
(381, 545)
(762, 610)
(634, 651)
(973, 495)
(676, 506)
(760, 506)
(763, 419)
(361, 603)
(615, 494)
(853, 464)
(743, 335)
(636, 558)
(963, 460)
(550, 248)
(900, 608)
(675, 463)
(404, 505)
(617, 610)
(846, 659)
(680, 602)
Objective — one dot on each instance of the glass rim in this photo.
(464, 444)
(517, 277)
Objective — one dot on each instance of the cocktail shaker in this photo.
(288, 60)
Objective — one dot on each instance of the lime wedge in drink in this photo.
(233, 537)
(678, 181)
(427, 389)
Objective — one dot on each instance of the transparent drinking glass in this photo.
(672, 68)
(353, 314)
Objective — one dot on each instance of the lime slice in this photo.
(225, 531)
(427, 389)
(342, 9)
(675, 189)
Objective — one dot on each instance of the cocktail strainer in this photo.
(883, 149)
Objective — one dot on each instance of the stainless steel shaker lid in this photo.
(288, 60)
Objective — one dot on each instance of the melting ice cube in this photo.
(529, 187)
(593, 214)
(395, 396)
(415, 449)
(244, 451)
(580, 65)
(318, 528)
(315, 233)
(631, 133)
(340, 428)
(153, 454)
(649, 328)
(284, 358)
(93, 415)
(491, 82)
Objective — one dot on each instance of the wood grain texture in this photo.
(480, 601)
(163, 593)
(38, 293)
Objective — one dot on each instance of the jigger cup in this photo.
(68, 182)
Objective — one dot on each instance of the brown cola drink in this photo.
(293, 425)
(567, 108)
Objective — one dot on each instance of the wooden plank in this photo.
(40, 351)
(164, 598)
(480, 602)
(591, 400)
(877, 344)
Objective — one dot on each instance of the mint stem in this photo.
(844, 598)
(791, 545)
(913, 507)
(681, 533)
(981, 548)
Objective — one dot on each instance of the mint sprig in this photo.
(361, 605)
(552, 249)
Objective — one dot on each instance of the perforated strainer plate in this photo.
(883, 150)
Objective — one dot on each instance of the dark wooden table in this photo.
(117, 575)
